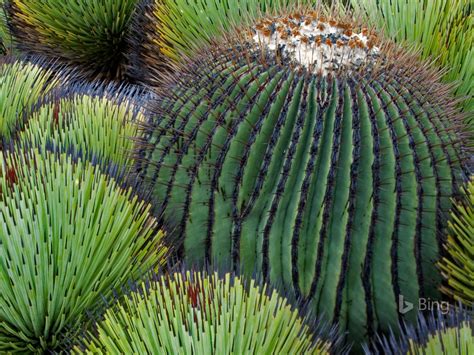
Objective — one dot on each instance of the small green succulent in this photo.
(457, 266)
(68, 236)
(444, 331)
(4, 32)
(195, 313)
(22, 83)
(88, 33)
(100, 124)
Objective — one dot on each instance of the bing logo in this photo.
(424, 304)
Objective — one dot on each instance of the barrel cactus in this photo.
(88, 33)
(196, 313)
(99, 123)
(312, 152)
(457, 266)
(443, 331)
(68, 236)
(22, 83)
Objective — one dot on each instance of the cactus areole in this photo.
(329, 176)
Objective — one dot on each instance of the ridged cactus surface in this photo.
(333, 186)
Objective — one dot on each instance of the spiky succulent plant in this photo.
(443, 331)
(458, 264)
(68, 236)
(88, 33)
(314, 153)
(22, 83)
(4, 33)
(195, 313)
(99, 123)
(440, 29)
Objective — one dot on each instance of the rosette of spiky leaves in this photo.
(99, 123)
(22, 83)
(88, 33)
(4, 33)
(172, 29)
(446, 330)
(440, 29)
(458, 264)
(197, 313)
(336, 187)
(68, 236)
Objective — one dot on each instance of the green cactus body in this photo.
(332, 186)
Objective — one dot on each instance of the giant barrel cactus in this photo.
(310, 151)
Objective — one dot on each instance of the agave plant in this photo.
(316, 154)
(440, 29)
(4, 33)
(68, 236)
(172, 29)
(195, 313)
(88, 33)
(444, 331)
(22, 83)
(458, 266)
(98, 123)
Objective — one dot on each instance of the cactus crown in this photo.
(316, 42)
(333, 183)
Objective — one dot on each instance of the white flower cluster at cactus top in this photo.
(316, 42)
